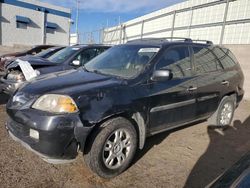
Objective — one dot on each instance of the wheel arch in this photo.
(137, 120)
(230, 94)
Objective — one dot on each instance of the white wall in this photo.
(186, 23)
(243, 56)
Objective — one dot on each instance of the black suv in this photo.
(107, 108)
(68, 58)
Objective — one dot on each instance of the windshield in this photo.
(122, 61)
(63, 54)
(45, 53)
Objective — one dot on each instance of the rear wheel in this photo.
(113, 147)
(225, 112)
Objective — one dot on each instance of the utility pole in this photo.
(224, 22)
(107, 23)
(77, 18)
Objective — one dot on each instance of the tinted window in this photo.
(205, 60)
(225, 56)
(100, 50)
(177, 60)
(87, 55)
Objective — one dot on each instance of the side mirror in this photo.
(162, 75)
(76, 63)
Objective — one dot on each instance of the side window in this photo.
(177, 60)
(100, 50)
(86, 55)
(225, 56)
(21, 25)
(205, 60)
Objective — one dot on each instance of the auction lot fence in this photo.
(221, 21)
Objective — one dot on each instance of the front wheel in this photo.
(113, 147)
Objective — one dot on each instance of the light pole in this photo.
(77, 18)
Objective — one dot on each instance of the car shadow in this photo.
(3, 98)
(226, 147)
(150, 142)
(156, 140)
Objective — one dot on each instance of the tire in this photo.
(217, 119)
(119, 139)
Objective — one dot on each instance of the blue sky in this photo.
(94, 14)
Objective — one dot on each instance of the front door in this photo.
(173, 102)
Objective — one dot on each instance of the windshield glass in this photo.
(44, 52)
(63, 54)
(122, 61)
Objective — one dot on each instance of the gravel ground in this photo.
(191, 156)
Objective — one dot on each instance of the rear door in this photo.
(209, 74)
(173, 102)
(232, 79)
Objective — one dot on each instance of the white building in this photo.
(30, 22)
(221, 21)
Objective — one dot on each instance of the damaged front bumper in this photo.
(9, 87)
(58, 138)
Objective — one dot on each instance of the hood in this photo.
(71, 82)
(33, 60)
(14, 54)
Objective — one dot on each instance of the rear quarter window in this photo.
(205, 60)
(226, 57)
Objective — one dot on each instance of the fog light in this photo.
(34, 134)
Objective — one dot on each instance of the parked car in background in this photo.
(43, 54)
(32, 51)
(67, 58)
(130, 92)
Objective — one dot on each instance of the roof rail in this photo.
(165, 39)
(205, 41)
(179, 38)
(147, 39)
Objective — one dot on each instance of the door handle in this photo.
(192, 88)
(225, 82)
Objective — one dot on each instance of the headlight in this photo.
(55, 104)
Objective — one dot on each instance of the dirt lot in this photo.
(191, 156)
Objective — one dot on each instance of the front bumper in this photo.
(59, 136)
(9, 87)
(44, 157)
